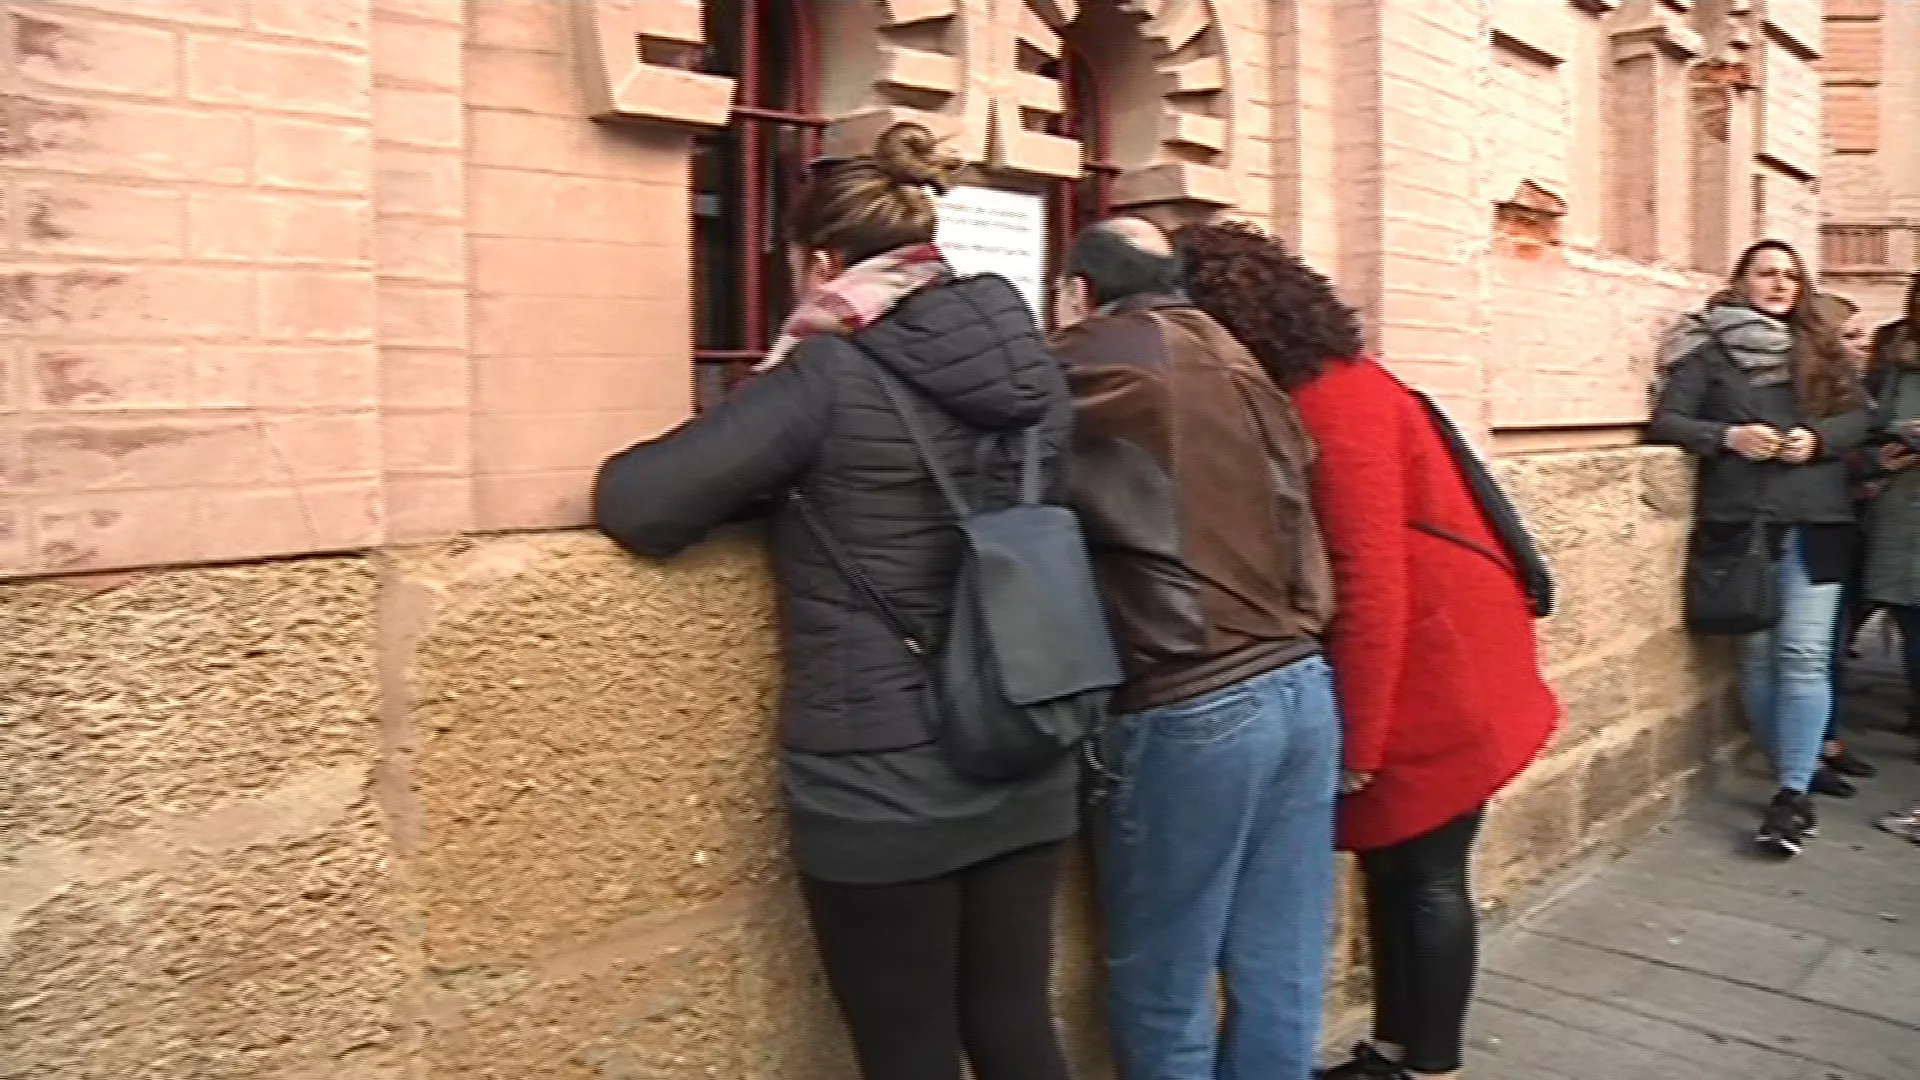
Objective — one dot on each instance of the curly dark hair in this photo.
(1284, 311)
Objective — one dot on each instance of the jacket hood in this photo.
(971, 345)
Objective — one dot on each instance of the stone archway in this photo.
(1166, 87)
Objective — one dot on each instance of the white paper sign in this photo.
(988, 231)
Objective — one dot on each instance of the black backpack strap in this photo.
(843, 562)
(1030, 480)
(897, 396)
(1536, 577)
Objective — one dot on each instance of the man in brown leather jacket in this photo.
(1189, 469)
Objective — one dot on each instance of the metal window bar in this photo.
(745, 292)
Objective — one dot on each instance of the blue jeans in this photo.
(1220, 863)
(1786, 673)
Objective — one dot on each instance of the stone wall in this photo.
(196, 876)
(505, 807)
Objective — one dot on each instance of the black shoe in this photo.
(1783, 828)
(1367, 1064)
(1828, 781)
(1803, 809)
(1847, 763)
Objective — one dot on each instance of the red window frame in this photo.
(1076, 204)
(745, 176)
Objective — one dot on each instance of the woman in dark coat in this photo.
(1441, 697)
(1893, 514)
(930, 894)
(1761, 390)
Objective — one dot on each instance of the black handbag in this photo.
(1731, 583)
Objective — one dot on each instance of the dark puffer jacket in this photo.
(1704, 395)
(821, 421)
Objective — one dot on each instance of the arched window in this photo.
(744, 177)
(1078, 203)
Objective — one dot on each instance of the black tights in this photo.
(925, 969)
(1425, 943)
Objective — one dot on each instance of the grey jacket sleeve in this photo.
(664, 495)
(1676, 416)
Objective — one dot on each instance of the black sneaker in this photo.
(1847, 763)
(1782, 829)
(1803, 809)
(1367, 1064)
(1828, 781)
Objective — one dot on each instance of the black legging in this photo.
(925, 969)
(1425, 943)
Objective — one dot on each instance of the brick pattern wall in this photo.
(1798, 22)
(1432, 239)
(1577, 338)
(1870, 189)
(446, 296)
(189, 303)
(420, 132)
(302, 276)
(1306, 159)
(581, 277)
(1534, 139)
(1790, 209)
(1248, 27)
(1790, 109)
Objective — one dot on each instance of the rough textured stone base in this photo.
(195, 879)
(506, 807)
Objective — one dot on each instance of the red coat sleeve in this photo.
(1360, 496)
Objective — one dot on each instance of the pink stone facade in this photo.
(336, 747)
(294, 276)
(1871, 188)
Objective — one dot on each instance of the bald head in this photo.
(1139, 232)
(1123, 257)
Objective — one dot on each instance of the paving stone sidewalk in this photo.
(1694, 957)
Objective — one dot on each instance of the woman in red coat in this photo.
(1432, 645)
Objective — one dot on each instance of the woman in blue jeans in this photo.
(1760, 388)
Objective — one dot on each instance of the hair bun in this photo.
(910, 154)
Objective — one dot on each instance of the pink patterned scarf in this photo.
(857, 298)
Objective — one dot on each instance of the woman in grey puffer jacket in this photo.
(1762, 391)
